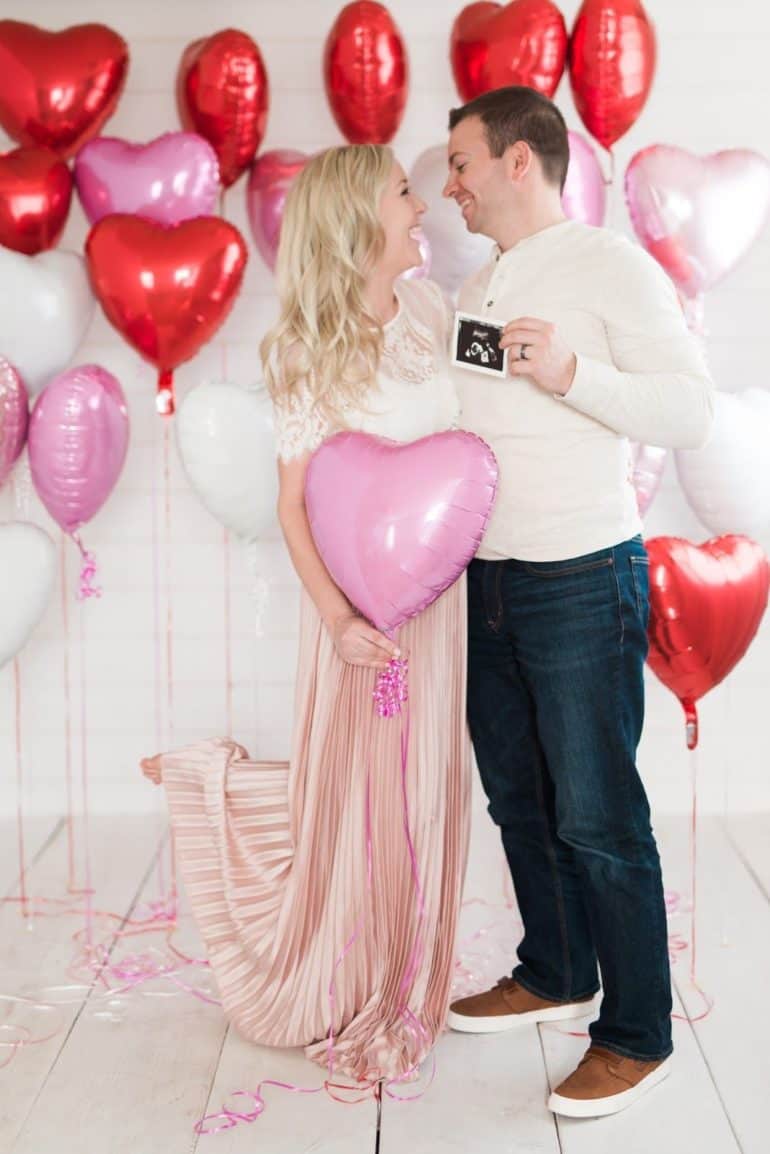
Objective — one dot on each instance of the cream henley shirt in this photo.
(565, 479)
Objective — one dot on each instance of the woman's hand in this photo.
(359, 643)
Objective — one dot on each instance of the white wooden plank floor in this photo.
(133, 1073)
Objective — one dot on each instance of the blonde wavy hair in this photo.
(331, 236)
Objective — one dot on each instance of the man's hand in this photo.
(359, 643)
(547, 360)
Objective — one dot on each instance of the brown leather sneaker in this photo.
(508, 1005)
(605, 1083)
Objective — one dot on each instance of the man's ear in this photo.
(519, 158)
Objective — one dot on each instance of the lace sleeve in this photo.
(299, 426)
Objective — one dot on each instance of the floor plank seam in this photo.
(554, 1117)
(694, 1031)
(744, 862)
(207, 1103)
(89, 992)
(36, 857)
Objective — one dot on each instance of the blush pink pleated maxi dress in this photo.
(275, 856)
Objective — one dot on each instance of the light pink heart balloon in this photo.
(647, 465)
(78, 437)
(171, 179)
(396, 524)
(697, 216)
(269, 182)
(420, 270)
(14, 417)
(585, 196)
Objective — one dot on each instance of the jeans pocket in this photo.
(551, 569)
(640, 576)
(493, 596)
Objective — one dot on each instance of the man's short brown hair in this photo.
(518, 113)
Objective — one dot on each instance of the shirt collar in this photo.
(544, 234)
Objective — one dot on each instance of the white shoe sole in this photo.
(497, 1023)
(601, 1107)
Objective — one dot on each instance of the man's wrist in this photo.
(569, 376)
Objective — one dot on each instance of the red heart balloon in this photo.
(58, 88)
(366, 72)
(492, 45)
(706, 603)
(165, 288)
(35, 193)
(611, 65)
(223, 94)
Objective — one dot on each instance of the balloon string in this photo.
(724, 941)
(93, 964)
(88, 892)
(228, 634)
(168, 586)
(227, 558)
(169, 628)
(16, 497)
(693, 857)
(66, 649)
(157, 640)
(610, 179)
(20, 790)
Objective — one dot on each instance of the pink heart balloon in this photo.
(647, 465)
(697, 217)
(269, 182)
(173, 178)
(396, 524)
(585, 196)
(14, 417)
(78, 437)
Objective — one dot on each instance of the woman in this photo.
(300, 875)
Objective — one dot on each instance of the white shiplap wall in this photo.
(711, 92)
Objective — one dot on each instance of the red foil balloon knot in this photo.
(392, 688)
(691, 722)
(164, 397)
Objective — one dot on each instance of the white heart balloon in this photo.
(727, 483)
(46, 306)
(226, 442)
(455, 252)
(27, 575)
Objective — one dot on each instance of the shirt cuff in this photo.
(592, 385)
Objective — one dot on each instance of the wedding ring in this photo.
(523, 354)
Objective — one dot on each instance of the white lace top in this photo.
(414, 395)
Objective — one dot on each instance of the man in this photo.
(599, 354)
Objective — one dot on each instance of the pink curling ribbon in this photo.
(391, 700)
(392, 689)
(97, 965)
(87, 573)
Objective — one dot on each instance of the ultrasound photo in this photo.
(476, 345)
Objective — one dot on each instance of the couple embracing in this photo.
(536, 654)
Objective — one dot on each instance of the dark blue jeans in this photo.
(555, 706)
